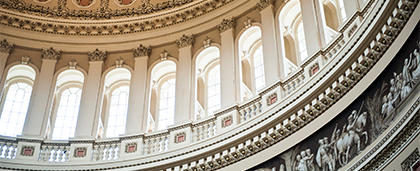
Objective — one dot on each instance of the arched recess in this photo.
(332, 15)
(205, 61)
(159, 73)
(16, 97)
(116, 83)
(65, 103)
(248, 42)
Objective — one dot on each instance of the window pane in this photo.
(67, 113)
(259, 77)
(15, 108)
(117, 115)
(213, 90)
(166, 104)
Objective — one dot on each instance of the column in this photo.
(37, 117)
(136, 118)
(86, 127)
(5, 50)
(273, 65)
(227, 64)
(350, 6)
(314, 24)
(183, 80)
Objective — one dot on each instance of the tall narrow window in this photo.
(15, 108)
(213, 90)
(67, 113)
(302, 44)
(118, 112)
(167, 104)
(342, 10)
(259, 69)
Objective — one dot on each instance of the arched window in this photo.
(213, 89)
(301, 40)
(258, 69)
(117, 116)
(117, 88)
(67, 113)
(15, 103)
(167, 104)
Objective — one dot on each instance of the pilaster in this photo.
(136, 118)
(88, 115)
(6, 49)
(183, 80)
(228, 65)
(37, 118)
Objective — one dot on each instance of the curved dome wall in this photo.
(154, 115)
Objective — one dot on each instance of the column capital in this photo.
(185, 40)
(262, 4)
(51, 54)
(97, 55)
(142, 51)
(226, 24)
(6, 46)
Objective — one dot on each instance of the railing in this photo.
(54, 153)
(204, 130)
(103, 151)
(156, 143)
(8, 149)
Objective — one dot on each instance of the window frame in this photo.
(159, 84)
(108, 94)
(207, 70)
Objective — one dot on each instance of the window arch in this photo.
(15, 103)
(208, 98)
(117, 87)
(252, 62)
(162, 95)
(68, 95)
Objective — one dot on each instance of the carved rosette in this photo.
(51, 54)
(142, 51)
(264, 4)
(185, 40)
(6, 46)
(226, 24)
(97, 55)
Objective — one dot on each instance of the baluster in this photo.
(55, 153)
(41, 153)
(248, 113)
(242, 112)
(2, 156)
(108, 152)
(113, 152)
(201, 132)
(60, 153)
(7, 152)
(195, 134)
(14, 151)
(101, 152)
(146, 146)
(253, 112)
(95, 154)
(117, 152)
(212, 131)
(258, 105)
(167, 142)
(67, 153)
(206, 131)
(157, 144)
(47, 154)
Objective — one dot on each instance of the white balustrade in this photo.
(156, 143)
(8, 149)
(54, 153)
(106, 151)
(250, 111)
(204, 130)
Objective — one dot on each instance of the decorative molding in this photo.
(180, 137)
(51, 54)
(6, 46)
(42, 1)
(80, 152)
(27, 150)
(227, 121)
(25, 59)
(131, 147)
(314, 69)
(119, 62)
(124, 3)
(84, 3)
(271, 99)
(142, 51)
(72, 64)
(262, 4)
(248, 22)
(226, 24)
(164, 55)
(408, 163)
(206, 42)
(185, 40)
(97, 55)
